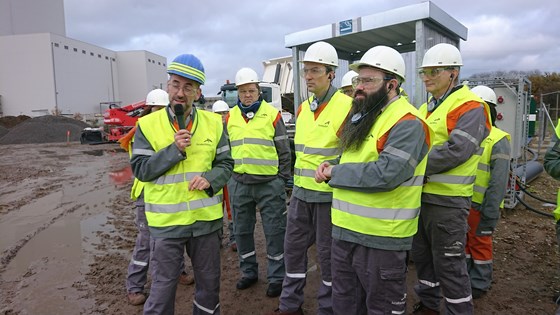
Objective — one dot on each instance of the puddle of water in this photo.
(16, 225)
(53, 262)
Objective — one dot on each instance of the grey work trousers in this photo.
(270, 199)
(367, 280)
(139, 263)
(308, 223)
(438, 252)
(167, 256)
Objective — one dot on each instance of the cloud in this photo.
(227, 35)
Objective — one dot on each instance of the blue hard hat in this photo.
(188, 66)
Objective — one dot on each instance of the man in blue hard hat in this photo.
(184, 159)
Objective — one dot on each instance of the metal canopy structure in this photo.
(409, 29)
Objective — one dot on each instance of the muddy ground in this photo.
(67, 232)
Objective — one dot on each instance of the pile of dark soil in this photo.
(45, 129)
(12, 121)
(3, 131)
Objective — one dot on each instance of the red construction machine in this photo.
(117, 122)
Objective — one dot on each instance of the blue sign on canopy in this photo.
(345, 27)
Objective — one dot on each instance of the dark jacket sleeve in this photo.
(222, 166)
(282, 144)
(499, 174)
(552, 161)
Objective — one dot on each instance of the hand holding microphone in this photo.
(180, 114)
(183, 136)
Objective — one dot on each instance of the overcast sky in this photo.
(227, 35)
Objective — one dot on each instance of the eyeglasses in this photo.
(432, 72)
(174, 87)
(367, 81)
(314, 72)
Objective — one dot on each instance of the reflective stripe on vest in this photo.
(458, 181)
(557, 210)
(168, 200)
(386, 214)
(252, 141)
(316, 140)
(483, 170)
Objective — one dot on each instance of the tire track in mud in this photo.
(9, 253)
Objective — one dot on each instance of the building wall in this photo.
(45, 73)
(140, 72)
(85, 76)
(26, 80)
(32, 16)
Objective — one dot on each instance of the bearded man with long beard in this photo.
(377, 187)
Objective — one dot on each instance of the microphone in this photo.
(180, 113)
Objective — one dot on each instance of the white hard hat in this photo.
(485, 93)
(220, 106)
(245, 76)
(157, 97)
(321, 52)
(445, 55)
(384, 58)
(347, 78)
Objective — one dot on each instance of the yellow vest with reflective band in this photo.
(252, 142)
(137, 186)
(316, 140)
(458, 181)
(483, 171)
(387, 214)
(557, 210)
(168, 199)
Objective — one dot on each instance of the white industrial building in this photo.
(43, 72)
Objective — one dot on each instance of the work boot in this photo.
(478, 293)
(186, 279)
(136, 298)
(421, 309)
(556, 298)
(274, 289)
(245, 283)
(279, 312)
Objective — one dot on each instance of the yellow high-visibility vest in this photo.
(168, 199)
(557, 210)
(483, 171)
(317, 141)
(458, 181)
(387, 214)
(252, 142)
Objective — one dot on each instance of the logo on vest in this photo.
(207, 142)
(325, 124)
